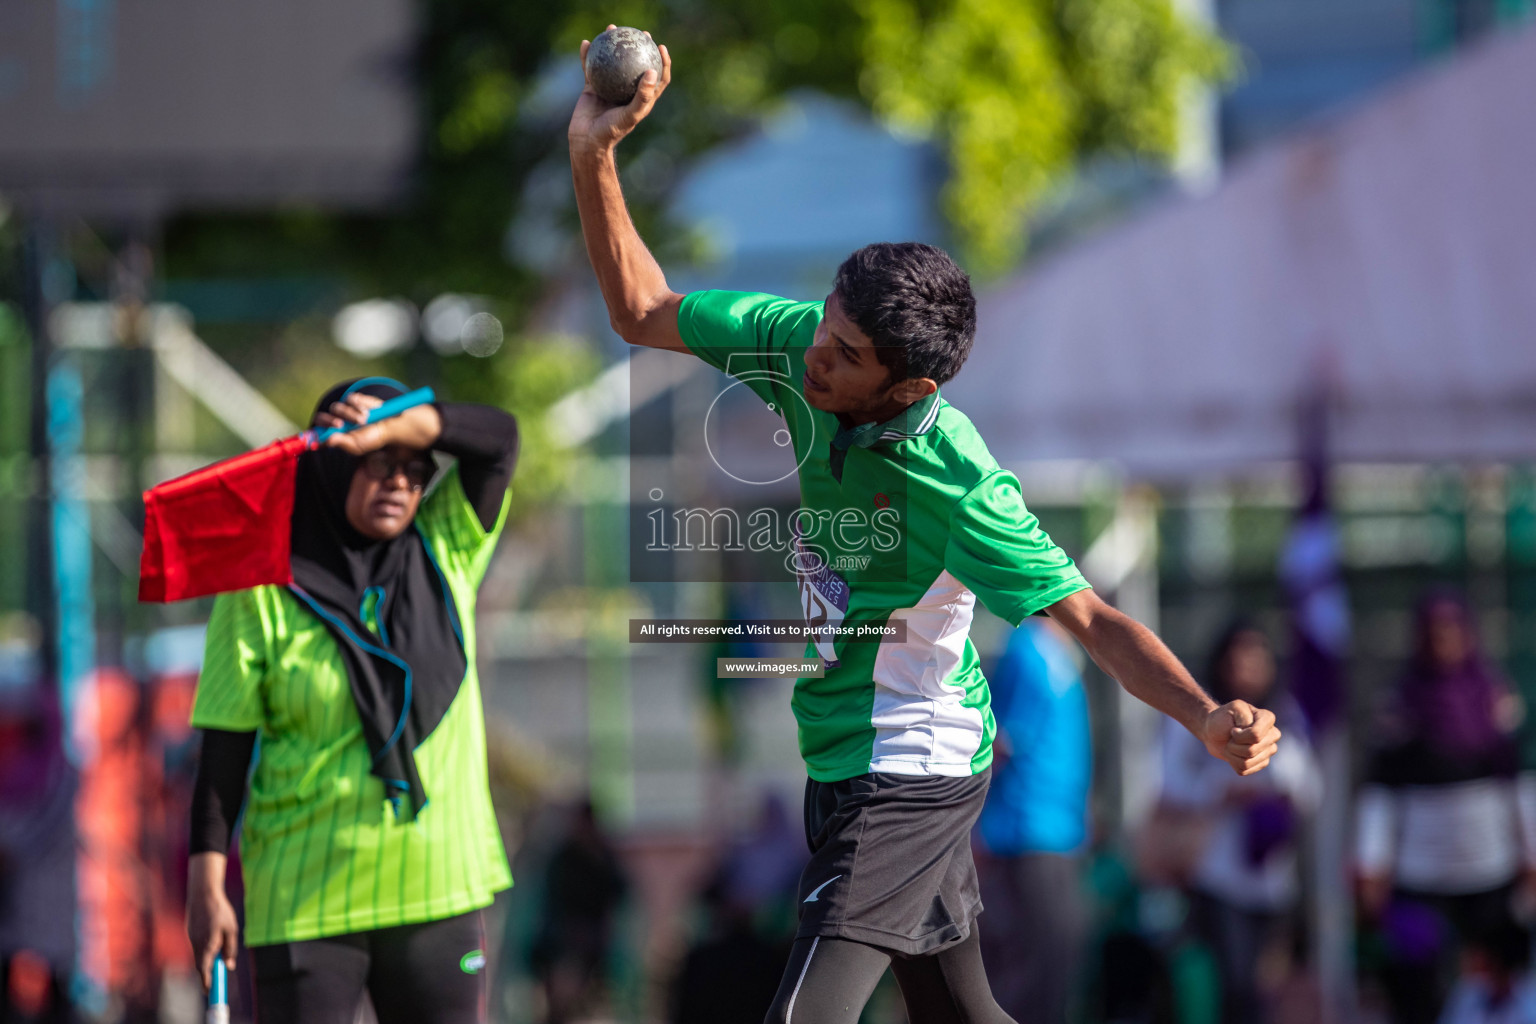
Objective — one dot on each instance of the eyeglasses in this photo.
(381, 465)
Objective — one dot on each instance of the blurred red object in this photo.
(29, 987)
(221, 528)
(116, 782)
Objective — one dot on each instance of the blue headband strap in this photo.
(366, 382)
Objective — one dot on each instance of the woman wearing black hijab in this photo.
(369, 845)
(1445, 837)
(1243, 877)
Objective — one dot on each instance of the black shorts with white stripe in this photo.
(891, 860)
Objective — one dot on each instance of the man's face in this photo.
(842, 374)
(386, 489)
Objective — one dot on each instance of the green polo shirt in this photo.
(321, 850)
(909, 520)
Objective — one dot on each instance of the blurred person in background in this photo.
(1241, 878)
(1496, 985)
(37, 856)
(730, 974)
(725, 696)
(761, 869)
(1033, 826)
(369, 844)
(583, 889)
(1446, 821)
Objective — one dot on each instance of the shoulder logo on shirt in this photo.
(816, 892)
(472, 962)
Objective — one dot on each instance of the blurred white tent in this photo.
(1388, 255)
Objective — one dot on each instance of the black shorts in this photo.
(891, 860)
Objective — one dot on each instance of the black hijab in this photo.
(405, 676)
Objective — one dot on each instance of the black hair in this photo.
(1216, 681)
(914, 303)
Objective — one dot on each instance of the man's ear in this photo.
(914, 389)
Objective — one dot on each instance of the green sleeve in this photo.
(235, 653)
(997, 549)
(453, 529)
(748, 334)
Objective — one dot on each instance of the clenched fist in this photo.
(1241, 735)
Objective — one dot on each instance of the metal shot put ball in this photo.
(617, 60)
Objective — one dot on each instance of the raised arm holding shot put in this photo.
(897, 736)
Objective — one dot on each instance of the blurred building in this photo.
(782, 207)
(1305, 57)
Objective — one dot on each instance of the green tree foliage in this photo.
(1018, 92)
(1014, 91)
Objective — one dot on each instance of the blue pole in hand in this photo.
(218, 995)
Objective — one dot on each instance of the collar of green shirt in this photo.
(913, 421)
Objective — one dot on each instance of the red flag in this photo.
(224, 527)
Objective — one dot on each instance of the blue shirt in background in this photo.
(1038, 802)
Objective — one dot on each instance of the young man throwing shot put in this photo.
(896, 736)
